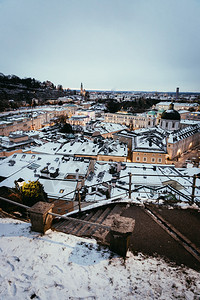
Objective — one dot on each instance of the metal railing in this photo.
(128, 191)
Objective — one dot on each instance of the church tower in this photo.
(81, 89)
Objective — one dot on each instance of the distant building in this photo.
(163, 143)
(82, 90)
(149, 146)
(177, 106)
(133, 120)
(177, 93)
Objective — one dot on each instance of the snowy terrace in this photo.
(62, 266)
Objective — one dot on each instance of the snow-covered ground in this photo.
(61, 266)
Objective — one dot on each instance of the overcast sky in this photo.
(150, 45)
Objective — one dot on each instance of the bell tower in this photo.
(81, 89)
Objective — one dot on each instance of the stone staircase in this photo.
(99, 222)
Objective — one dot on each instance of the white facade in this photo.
(169, 124)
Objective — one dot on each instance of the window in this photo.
(160, 160)
(153, 159)
(137, 158)
(33, 156)
(61, 191)
(144, 159)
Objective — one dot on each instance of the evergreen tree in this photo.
(33, 192)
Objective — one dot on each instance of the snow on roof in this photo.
(47, 148)
(183, 133)
(167, 103)
(24, 173)
(183, 111)
(70, 148)
(114, 148)
(5, 122)
(88, 148)
(145, 175)
(105, 127)
(10, 165)
(190, 122)
(29, 167)
(57, 188)
(146, 145)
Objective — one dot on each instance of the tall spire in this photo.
(81, 88)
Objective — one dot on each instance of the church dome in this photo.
(171, 114)
(152, 113)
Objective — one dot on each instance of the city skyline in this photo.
(108, 45)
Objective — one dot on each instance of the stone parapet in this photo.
(41, 220)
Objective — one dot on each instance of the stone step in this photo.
(100, 220)
(60, 224)
(86, 227)
(80, 225)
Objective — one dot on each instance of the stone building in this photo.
(162, 143)
(135, 121)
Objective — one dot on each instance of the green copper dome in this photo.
(152, 113)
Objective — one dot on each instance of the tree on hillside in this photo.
(112, 105)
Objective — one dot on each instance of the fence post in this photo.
(79, 200)
(120, 233)
(193, 187)
(129, 193)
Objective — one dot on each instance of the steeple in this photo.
(81, 89)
